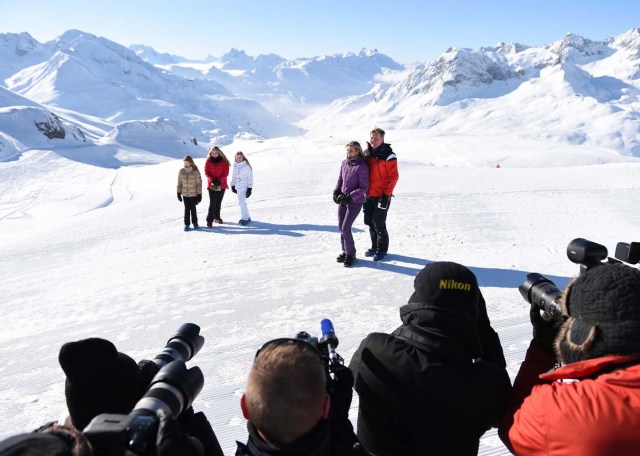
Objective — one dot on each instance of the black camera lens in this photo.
(182, 346)
(172, 390)
(543, 293)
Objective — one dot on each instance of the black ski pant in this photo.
(190, 213)
(215, 203)
(376, 219)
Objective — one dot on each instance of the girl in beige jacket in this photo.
(190, 191)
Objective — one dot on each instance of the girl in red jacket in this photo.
(216, 169)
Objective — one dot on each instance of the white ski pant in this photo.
(242, 200)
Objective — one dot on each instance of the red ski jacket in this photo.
(217, 170)
(599, 414)
(383, 171)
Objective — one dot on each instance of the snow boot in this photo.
(371, 252)
(341, 257)
(379, 256)
(349, 260)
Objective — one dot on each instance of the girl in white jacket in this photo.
(242, 183)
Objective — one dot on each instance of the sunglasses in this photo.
(300, 343)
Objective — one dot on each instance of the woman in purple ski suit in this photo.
(352, 185)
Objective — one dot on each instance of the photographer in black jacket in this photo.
(99, 380)
(438, 382)
(290, 410)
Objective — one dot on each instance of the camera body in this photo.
(326, 345)
(589, 254)
(544, 294)
(171, 390)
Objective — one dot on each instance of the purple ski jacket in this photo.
(354, 179)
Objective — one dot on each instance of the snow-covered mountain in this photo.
(513, 150)
(291, 88)
(91, 75)
(573, 91)
(26, 124)
(148, 54)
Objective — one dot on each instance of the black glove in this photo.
(341, 391)
(198, 199)
(544, 330)
(233, 189)
(179, 197)
(148, 370)
(216, 182)
(170, 441)
(197, 425)
(336, 196)
(248, 192)
(384, 202)
(345, 200)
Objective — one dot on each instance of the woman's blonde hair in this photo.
(189, 158)
(244, 158)
(217, 149)
(356, 145)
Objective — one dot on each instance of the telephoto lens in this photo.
(543, 293)
(172, 391)
(182, 346)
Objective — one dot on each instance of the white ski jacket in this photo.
(242, 176)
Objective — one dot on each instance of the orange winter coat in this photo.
(383, 171)
(595, 416)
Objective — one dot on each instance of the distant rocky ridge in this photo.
(574, 90)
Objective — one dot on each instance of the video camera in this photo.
(326, 345)
(171, 391)
(544, 294)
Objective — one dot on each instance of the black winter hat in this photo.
(99, 380)
(447, 285)
(603, 305)
(35, 444)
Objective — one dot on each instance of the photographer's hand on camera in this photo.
(341, 391)
(545, 329)
(172, 441)
(197, 425)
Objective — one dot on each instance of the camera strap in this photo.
(432, 342)
(412, 337)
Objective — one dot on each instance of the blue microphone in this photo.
(329, 338)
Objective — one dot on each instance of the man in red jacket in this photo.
(598, 411)
(383, 176)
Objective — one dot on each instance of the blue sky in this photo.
(408, 31)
